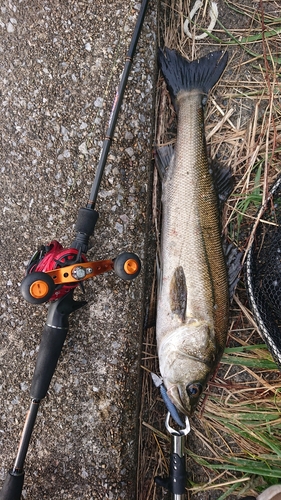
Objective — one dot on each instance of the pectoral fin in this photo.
(178, 293)
(223, 181)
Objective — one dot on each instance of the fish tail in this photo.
(201, 74)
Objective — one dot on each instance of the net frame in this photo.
(263, 272)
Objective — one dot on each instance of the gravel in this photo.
(60, 64)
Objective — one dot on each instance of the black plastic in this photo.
(53, 337)
(48, 355)
(59, 310)
(119, 263)
(12, 486)
(176, 481)
(84, 227)
(248, 498)
(31, 278)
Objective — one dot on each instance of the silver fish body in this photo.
(193, 296)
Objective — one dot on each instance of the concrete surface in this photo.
(60, 63)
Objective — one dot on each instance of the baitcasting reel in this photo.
(53, 271)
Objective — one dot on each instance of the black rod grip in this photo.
(12, 486)
(86, 221)
(49, 351)
(85, 225)
(53, 337)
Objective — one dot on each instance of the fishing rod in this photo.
(52, 275)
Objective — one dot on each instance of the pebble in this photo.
(83, 126)
(130, 151)
(119, 227)
(98, 102)
(83, 148)
(128, 136)
(10, 28)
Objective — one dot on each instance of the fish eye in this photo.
(194, 390)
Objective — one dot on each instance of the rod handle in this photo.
(12, 486)
(53, 337)
(85, 225)
(49, 351)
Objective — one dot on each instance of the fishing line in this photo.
(158, 382)
(213, 13)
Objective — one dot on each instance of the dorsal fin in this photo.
(233, 258)
(223, 181)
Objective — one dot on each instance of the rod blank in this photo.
(116, 106)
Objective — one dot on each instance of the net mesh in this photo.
(263, 273)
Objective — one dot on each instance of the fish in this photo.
(192, 316)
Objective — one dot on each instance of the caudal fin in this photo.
(201, 74)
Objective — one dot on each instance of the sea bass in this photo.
(193, 290)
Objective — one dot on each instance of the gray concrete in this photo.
(60, 63)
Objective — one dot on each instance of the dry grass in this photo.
(234, 447)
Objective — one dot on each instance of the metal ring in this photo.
(181, 432)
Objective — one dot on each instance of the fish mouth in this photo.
(182, 402)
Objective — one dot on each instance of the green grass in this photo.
(250, 418)
(243, 42)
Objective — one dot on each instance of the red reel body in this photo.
(52, 257)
